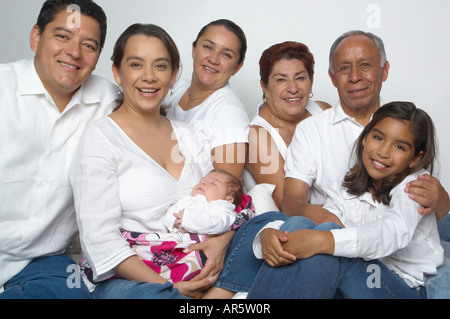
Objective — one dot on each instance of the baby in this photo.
(210, 209)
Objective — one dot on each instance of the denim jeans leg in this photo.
(438, 286)
(301, 279)
(444, 228)
(312, 278)
(50, 277)
(322, 276)
(241, 265)
(297, 222)
(120, 288)
(371, 279)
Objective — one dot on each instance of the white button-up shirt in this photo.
(405, 241)
(320, 150)
(37, 143)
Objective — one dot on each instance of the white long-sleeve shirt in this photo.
(117, 186)
(37, 143)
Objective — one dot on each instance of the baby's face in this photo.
(213, 186)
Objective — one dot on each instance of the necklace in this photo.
(273, 116)
(197, 98)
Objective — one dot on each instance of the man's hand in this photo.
(430, 194)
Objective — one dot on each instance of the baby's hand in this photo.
(178, 220)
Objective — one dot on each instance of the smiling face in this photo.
(213, 186)
(145, 73)
(288, 88)
(389, 149)
(358, 74)
(216, 56)
(66, 55)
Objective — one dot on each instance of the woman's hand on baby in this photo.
(215, 249)
(272, 250)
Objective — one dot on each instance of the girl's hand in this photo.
(305, 243)
(272, 249)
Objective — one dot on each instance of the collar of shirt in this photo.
(366, 197)
(29, 83)
(339, 115)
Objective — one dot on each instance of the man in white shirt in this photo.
(45, 104)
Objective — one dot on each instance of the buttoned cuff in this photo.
(345, 240)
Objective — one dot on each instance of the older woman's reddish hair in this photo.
(287, 50)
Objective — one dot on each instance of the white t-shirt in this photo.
(37, 143)
(117, 186)
(220, 120)
(200, 216)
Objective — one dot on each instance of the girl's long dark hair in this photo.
(358, 181)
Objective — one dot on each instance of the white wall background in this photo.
(416, 34)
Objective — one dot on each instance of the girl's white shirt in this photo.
(404, 240)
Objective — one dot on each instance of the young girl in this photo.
(389, 247)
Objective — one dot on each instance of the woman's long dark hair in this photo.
(358, 181)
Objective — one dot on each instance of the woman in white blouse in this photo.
(131, 166)
(287, 74)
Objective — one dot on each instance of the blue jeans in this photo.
(323, 276)
(241, 265)
(120, 288)
(444, 228)
(51, 277)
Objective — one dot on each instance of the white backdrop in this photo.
(416, 34)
